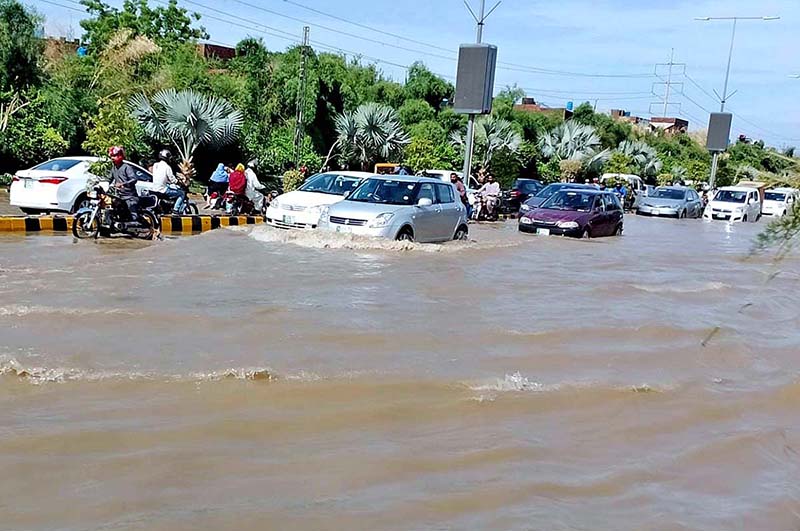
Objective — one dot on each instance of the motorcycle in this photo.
(487, 208)
(237, 204)
(107, 215)
(166, 205)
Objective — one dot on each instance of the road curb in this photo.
(169, 224)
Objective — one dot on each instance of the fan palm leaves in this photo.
(644, 158)
(187, 120)
(492, 134)
(570, 140)
(372, 133)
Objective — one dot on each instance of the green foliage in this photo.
(168, 25)
(371, 134)
(430, 130)
(548, 171)
(619, 163)
(492, 134)
(275, 151)
(6, 179)
(506, 166)
(425, 85)
(28, 136)
(415, 111)
(113, 125)
(664, 179)
(292, 180)
(20, 49)
(101, 168)
(570, 140)
(451, 121)
(423, 153)
(571, 170)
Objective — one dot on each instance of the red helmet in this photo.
(116, 151)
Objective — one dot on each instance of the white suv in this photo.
(779, 201)
(734, 203)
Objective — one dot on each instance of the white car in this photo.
(779, 201)
(60, 185)
(301, 208)
(734, 203)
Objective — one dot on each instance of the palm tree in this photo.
(644, 158)
(187, 120)
(491, 135)
(570, 140)
(372, 133)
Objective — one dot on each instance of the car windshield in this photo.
(549, 190)
(669, 193)
(389, 192)
(57, 165)
(730, 196)
(775, 196)
(330, 183)
(570, 200)
(528, 187)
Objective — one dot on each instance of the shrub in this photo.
(292, 180)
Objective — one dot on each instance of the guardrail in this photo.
(169, 224)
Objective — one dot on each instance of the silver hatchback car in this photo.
(399, 208)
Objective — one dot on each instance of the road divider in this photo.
(169, 224)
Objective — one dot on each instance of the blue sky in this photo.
(604, 41)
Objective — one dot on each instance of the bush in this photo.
(5, 179)
(570, 169)
(292, 180)
(415, 111)
(274, 150)
(113, 125)
(29, 138)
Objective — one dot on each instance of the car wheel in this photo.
(462, 233)
(81, 202)
(682, 215)
(586, 234)
(619, 230)
(744, 219)
(31, 211)
(405, 235)
(758, 218)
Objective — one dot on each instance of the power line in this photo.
(63, 6)
(699, 87)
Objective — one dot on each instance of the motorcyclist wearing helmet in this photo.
(123, 178)
(165, 182)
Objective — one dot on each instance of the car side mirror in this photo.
(346, 195)
(424, 202)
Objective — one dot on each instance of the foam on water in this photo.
(23, 310)
(698, 287)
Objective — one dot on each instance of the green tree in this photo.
(570, 140)
(277, 153)
(20, 49)
(26, 136)
(371, 134)
(492, 135)
(167, 26)
(619, 163)
(415, 111)
(425, 154)
(187, 120)
(425, 85)
(113, 125)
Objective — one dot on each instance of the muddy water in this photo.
(253, 379)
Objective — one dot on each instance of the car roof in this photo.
(359, 174)
(407, 178)
(738, 189)
(591, 190)
(673, 187)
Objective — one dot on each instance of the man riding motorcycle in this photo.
(490, 195)
(254, 187)
(123, 178)
(165, 182)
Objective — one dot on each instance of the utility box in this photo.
(719, 131)
(475, 78)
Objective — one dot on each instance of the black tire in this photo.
(31, 211)
(405, 235)
(586, 234)
(190, 209)
(80, 228)
(619, 230)
(81, 202)
(744, 219)
(682, 215)
(462, 233)
(150, 225)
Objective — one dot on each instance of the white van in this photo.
(734, 203)
(779, 201)
(635, 183)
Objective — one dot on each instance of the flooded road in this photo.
(255, 379)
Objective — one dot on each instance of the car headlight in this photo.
(567, 225)
(315, 210)
(381, 220)
(525, 221)
(525, 207)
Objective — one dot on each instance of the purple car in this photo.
(580, 213)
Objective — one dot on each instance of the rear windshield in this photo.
(57, 165)
(669, 193)
(528, 187)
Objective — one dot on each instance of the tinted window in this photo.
(612, 203)
(670, 193)
(446, 194)
(774, 196)
(527, 187)
(730, 196)
(570, 200)
(57, 165)
(426, 192)
(388, 192)
(330, 183)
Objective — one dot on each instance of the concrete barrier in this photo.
(169, 224)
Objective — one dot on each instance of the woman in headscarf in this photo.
(217, 185)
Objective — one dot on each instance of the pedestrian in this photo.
(217, 185)
(462, 192)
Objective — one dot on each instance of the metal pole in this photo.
(301, 93)
(714, 164)
(669, 81)
(728, 70)
(469, 144)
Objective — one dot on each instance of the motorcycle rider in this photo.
(123, 178)
(254, 186)
(490, 192)
(165, 182)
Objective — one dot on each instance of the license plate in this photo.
(344, 229)
(543, 232)
(289, 220)
(27, 183)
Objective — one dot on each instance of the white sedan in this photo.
(301, 208)
(60, 185)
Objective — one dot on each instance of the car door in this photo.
(451, 210)
(426, 217)
(612, 214)
(753, 206)
(598, 222)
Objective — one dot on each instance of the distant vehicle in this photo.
(301, 208)
(635, 184)
(400, 207)
(672, 201)
(60, 185)
(387, 168)
(734, 203)
(544, 194)
(520, 192)
(584, 213)
(444, 175)
(779, 201)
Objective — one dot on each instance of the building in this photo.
(625, 116)
(670, 126)
(530, 105)
(216, 51)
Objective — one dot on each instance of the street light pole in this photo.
(724, 97)
(469, 141)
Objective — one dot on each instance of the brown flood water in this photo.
(254, 379)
